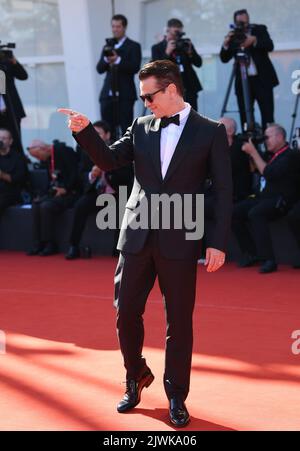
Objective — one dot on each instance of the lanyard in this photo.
(278, 153)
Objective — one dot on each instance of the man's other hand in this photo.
(214, 259)
(77, 121)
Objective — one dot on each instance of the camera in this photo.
(55, 183)
(239, 34)
(109, 47)
(255, 135)
(5, 52)
(182, 44)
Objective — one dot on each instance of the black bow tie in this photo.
(165, 121)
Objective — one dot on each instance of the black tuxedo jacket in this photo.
(202, 148)
(189, 77)
(14, 71)
(131, 56)
(265, 70)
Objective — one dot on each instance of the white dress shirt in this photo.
(169, 138)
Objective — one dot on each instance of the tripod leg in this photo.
(294, 116)
(229, 87)
(246, 96)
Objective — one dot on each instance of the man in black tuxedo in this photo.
(172, 150)
(118, 93)
(261, 73)
(278, 192)
(184, 55)
(10, 103)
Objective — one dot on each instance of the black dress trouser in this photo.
(44, 212)
(264, 97)
(134, 278)
(250, 224)
(118, 113)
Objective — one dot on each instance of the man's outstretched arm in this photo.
(107, 158)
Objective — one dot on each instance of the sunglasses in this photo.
(149, 97)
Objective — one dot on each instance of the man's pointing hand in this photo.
(77, 121)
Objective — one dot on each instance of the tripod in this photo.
(10, 113)
(294, 114)
(241, 63)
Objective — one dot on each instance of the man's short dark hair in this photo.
(122, 18)
(165, 72)
(176, 23)
(239, 12)
(104, 125)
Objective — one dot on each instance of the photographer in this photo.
(61, 162)
(11, 108)
(278, 191)
(255, 41)
(13, 172)
(120, 60)
(182, 52)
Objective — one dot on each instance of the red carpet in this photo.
(62, 369)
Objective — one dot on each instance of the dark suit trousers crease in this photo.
(134, 278)
(264, 97)
(121, 115)
(250, 224)
(85, 206)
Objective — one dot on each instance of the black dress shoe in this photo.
(73, 253)
(268, 266)
(49, 249)
(133, 391)
(179, 415)
(36, 249)
(248, 260)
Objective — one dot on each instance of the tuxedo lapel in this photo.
(154, 145)
(184, 142)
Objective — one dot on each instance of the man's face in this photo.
(274, 140)
(172, 33)
(160, 106)
(104, 135)
(6, 138)
(242, 18)
(118, 30)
